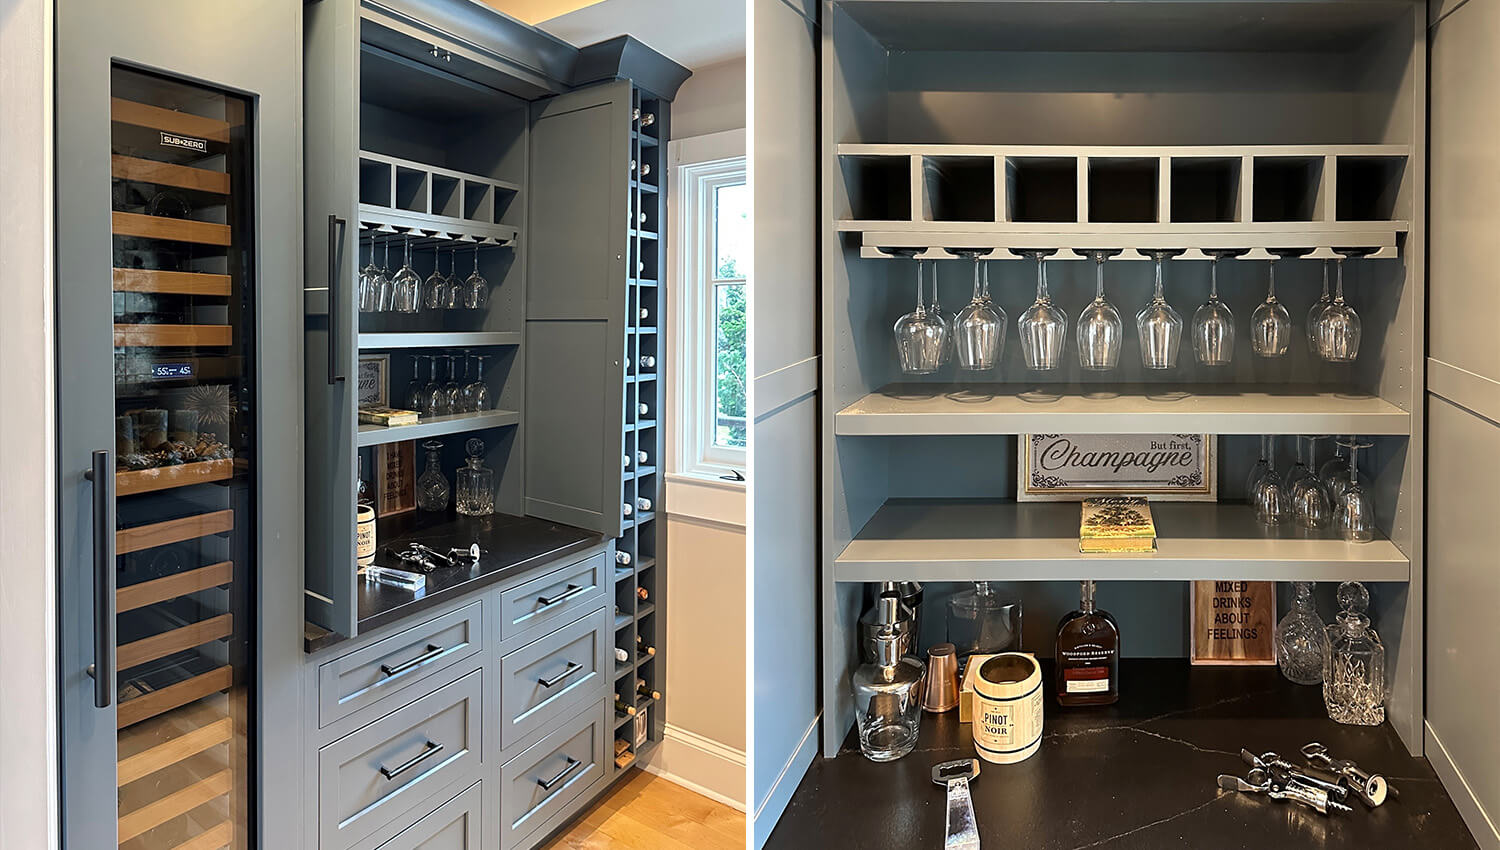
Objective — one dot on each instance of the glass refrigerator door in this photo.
(184, 460)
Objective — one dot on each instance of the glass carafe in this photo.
(981, 622)
(1302, 638)
(432, 487)
(887, 692)
(1354, 668)
(475, 482)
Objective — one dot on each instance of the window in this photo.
(711, 316)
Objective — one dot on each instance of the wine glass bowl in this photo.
(979, 328)
(407, 284)
(919, 335)
(1339, 328)
(476, 288)
(1213, 323)
(1043, 328)
(1271, 324)
(1157, 324)
(1354, 512)
(1100, 329)
(1309, 501)
(1268, 494)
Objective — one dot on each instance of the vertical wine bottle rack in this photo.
(640, 624)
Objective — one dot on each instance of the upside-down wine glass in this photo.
(1158, 325)
(1261, 466)
(477, 289)
(1268, 496)
(1213, 323)
(1339, 327)
(919, 337)
(1334, 473)
(408, 284)
(978, 329)
(434, 401)
(385, 289)
(479, 391)
(413, 398)
(436, 295)
(1315, 313)
(455, 290)
(1270, 324)
(937, 311)
(1309, 500)
(1100, 329)
(369, 290)
(1354, 514)
(1043, 328)
(452, 390)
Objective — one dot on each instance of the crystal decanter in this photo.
(475, 482)
(1302, 638)
(432, 487)
(1354, 668)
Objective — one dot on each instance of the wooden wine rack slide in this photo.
(149, 705)
(132, 482)
(171, 283)
(172, 586)
(140, 537)
(156, 118)
(166, 643)
(174, 229)
(169, 174)
(155, 814)
(174, 750)
(173, 336)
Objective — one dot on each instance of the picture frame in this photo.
(374, 380)
(1232, 623)
(1074, 467)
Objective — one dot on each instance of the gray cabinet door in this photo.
(575, 306)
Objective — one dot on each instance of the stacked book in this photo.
(388, 416)
(1116, 524)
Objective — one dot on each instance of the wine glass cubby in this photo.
(1009, 128)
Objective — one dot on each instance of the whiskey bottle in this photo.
(1088, 655)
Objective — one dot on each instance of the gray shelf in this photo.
(951, 409)
(1001, 540)
(438, 339)
(436, 426)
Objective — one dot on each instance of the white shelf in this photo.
(949, 409)
(1319, 239)
(969, 540)
(438, 339)
(436, 426)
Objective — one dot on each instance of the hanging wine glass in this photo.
(1354, 513)
(1043, 327)
(385, 289)
(455, 291)
(979, 328)
(1270, 324)
(408, 284)
(435, 296)
(1339, 328)
(1262, 466)
(1213, 323)
(918, 335)
(1315, 313)
(1157, 324)
(369, 289)
(1100, 329)
(1268, 495)
(937, 311)
(476, 288)
(1309, 501)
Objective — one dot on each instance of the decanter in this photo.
(1354, 666)
(432, 487)
(887, 692)
(981, 622)
(475, 482)
(1302, 638)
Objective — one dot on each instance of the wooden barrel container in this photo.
(1008, 708)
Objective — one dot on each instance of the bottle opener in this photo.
(963, 829)
(1371, 788)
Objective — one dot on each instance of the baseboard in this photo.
(1480, 824)
(768, 813)
(700, 764)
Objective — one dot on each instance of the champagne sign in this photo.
(1233, 622)
(1073, 467)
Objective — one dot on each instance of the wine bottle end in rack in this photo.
(621, 655)
(627, 509)
(648, 119)
(622, 558)
(624, 708)
(645, 409)
(643, 593)
(643, 503)
(624, 461)
(641, 457)
(645, 314)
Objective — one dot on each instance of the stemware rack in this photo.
(403, 196)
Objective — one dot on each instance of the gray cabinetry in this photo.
(533, 608)
(537, 786)
(455, 825)
(540, 680)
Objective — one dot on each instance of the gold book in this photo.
(388, 416)
(1116, 524)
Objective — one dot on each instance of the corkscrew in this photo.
(1284, 772)
(1258, 781)
(1372, 788)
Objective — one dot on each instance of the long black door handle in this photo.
(431, 749)
(102, 474)
(336, 227)
(433, 651)
(548, 784)
(572, 591)
(573, 667)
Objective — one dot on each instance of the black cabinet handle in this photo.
(547, 784)
(433, 651)
(102, 474)
(336, 227)
(573, 667)
(572, 591)
(432, 749)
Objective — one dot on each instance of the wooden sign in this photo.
(1073, 467)
(395, 478)
(1233, 622)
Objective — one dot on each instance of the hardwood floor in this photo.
(648, 812)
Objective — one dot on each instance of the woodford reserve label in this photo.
(1071, 467)
(1233, 622)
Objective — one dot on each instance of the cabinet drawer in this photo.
(351, 682)
(370, 777)
(560, 670)
(548, 601)
(551, 775)
(455, 825)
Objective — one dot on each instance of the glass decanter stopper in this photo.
(1302, 638)
(432, 487)
(887, 692)
(1354, 666)
(475, 482)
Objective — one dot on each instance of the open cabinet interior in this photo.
(1008, 127)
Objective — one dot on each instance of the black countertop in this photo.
(1138, 774)
(512, 544)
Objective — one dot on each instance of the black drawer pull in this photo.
(433, 651)
(547, 784)
(573, 667)
(428, 752)
(572, 591)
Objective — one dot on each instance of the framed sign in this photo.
(1073, 467)
(374, 371)
(395, 478)
(1233, 622)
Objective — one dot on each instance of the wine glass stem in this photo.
(1338, 295)
(921, 270)
(1213, 279)
(976, 277)
(1099, 262)
(1271, 283)
(1325, 281)
(1041, 280)
(1265, 448)
(986, 279)
(1160, 294)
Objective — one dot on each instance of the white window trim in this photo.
(699, 165)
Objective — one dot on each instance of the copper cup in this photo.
(940, 693)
